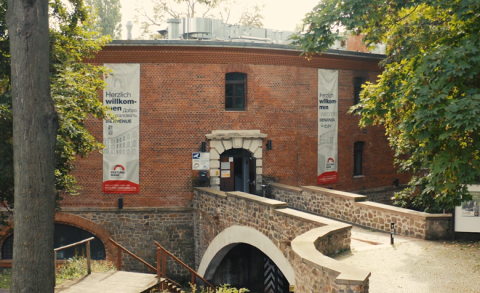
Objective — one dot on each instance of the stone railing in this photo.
(354, 208)
(303, 240)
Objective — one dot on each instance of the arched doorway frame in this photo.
(223, 140)
(233, 235)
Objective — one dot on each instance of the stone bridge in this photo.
(295, 243)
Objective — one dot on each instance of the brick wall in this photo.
(182, 100)
(352, 208)
(301, 237)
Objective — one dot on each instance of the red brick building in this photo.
(183, 88)
(183, 100)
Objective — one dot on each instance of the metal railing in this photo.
(161, 279)
(119, 257)
(162, 265)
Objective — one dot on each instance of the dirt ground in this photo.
(414, 265)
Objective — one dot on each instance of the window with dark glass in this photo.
(65, 235)
(357, 85)
(235, 88)
(357, 158)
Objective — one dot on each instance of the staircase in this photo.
(163, 283)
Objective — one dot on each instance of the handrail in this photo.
(89, 267)
(184, 265)
(119, 263)
(73, 244)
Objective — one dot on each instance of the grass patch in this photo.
(77, 267)
(74, 268)
(5, 278)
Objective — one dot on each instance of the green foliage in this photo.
(74, 88)
(5, 278)
(225, 288)
(108, 17)
(252, 17)
(428, 96)
(77, 267)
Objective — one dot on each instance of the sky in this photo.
(278, 14)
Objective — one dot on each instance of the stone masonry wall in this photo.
(216, 210)
(353, 208)
(381, 195)
(137, 228)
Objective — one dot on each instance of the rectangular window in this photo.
(357, 158)
(235, 85)
(357, 87)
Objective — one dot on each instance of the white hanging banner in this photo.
(327, 126)
(122, 138)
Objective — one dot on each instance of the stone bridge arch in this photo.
(234, 235)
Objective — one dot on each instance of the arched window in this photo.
(235, 91)
(64, 235)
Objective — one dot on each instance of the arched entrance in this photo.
(249, 141)
(245, 266)
(237, 171)
(222, 250)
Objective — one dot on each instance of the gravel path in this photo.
(415, 265)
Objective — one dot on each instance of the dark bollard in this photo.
(392, 234)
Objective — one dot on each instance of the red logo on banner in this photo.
(119, 166)
(327, 177)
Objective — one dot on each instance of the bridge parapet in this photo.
(354, 208)
(299, 243)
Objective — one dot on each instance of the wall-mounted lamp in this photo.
(120, 203)
(269, 145)
(395, 182)
(364, 131)
(203, 148)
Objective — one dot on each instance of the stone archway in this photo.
(234, 235)
(223, 140)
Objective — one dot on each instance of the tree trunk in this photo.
(35, 125)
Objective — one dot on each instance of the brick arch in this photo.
(87, 225)
(234, 235)
(75, 221)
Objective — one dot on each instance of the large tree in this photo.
(427, 97)
(74, 89)
(108, 17)
(51, 67)
(35, 125)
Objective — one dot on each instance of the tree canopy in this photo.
(221, 9)
(74, 89)
(107, 17)
(427, 97)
